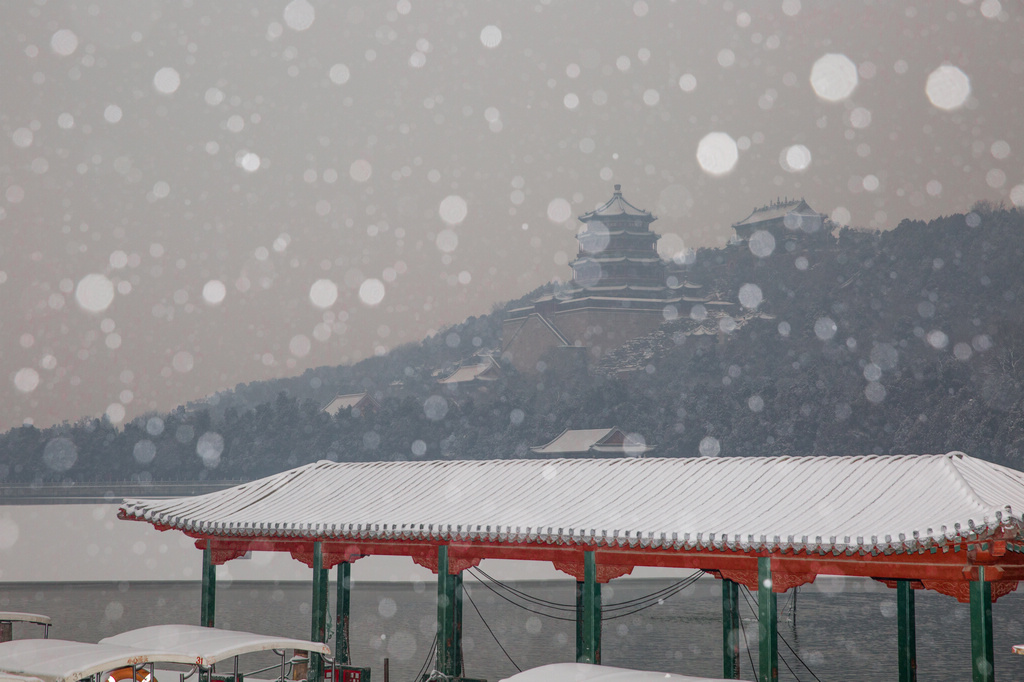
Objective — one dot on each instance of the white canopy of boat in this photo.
(58, 660)
(18, 617)
(11, 677)
(206, 646)
(583, 672)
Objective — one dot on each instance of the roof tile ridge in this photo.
(969, 493)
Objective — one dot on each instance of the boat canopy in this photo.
(583, 672)
(11, 677)
(58, 660)
(206, 646)
(18, 617)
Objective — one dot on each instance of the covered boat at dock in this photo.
(585, 672)
(205, 647)
(58, 660)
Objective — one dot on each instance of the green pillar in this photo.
(318, 627)
(730, 630)
(906, 631)
(768, 623)
(209, 597)
(579, 621)
(446, 599)
(982, 658)
(344, 606)
(457, 614)
(589, 613)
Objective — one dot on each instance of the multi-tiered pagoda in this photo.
(618, 292)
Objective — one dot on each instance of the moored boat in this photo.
(584, 672)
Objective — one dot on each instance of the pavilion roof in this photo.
(903, 503)
(616, 206)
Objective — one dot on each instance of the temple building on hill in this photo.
(619, 290)
(790, 221)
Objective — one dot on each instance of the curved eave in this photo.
(526, 537)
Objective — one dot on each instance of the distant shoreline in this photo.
(106, 493)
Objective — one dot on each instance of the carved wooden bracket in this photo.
(221, 554)
(456, 565)
(961, 589)
(605, 572)
(781, 582)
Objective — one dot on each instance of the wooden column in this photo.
(730, 630)
(768, 623)
(589, 616)
(446, 631)
(982, 656)
(344, 606)
(209, 596)
(318, 625)
(906, 631)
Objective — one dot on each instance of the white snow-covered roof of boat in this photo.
(11, 677)
(903, 503)
(58, 660)
(583, 672)
(18, 617)
(206, 646)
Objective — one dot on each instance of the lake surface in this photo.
(845, 629)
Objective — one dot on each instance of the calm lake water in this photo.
(845, 630)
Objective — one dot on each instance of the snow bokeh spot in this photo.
(825, 328)
(750, 296)
(948, 87)
(60, 454)
(709, 447)
(64, 42)
(167, 80)
(559, 210)
(94, 293)
(214, 291)
(490, 36)
(26, 379)
(323, 293)
(717, 153)
(453, 209)
(834, 77)
(435, 408)
(209, 448)
(371, 291)
(299, 15)
(762, 243)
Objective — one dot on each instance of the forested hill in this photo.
(906, 341)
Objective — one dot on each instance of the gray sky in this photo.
(196, 194)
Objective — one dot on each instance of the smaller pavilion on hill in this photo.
(789, 221)
(611, 442)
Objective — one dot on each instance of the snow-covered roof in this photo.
(904, 503)
(206, 646)
(616, 206)
(594, 441)
(584, 672)
(485, 368)
(777, 210)
(58, 660)
(343, 402)
(19, 617)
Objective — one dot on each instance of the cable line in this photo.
(473, 603)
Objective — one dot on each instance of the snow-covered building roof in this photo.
(616, 206)
(593, 443)
(483, 368)
(824, 505)
(359, 401)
